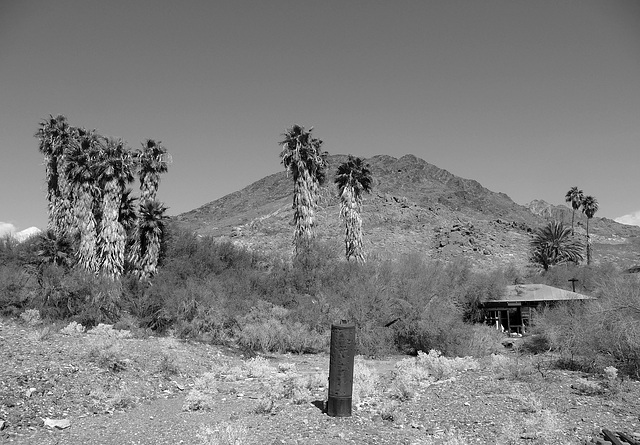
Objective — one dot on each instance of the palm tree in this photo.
(152, 160)
(54, 136)
(589, 208)
(116, 171)
(302, 157)
(127, 215)
(575, 197)
(150, 230)
(53, 249)
(554, 244)
(353, 178)
(82, 173)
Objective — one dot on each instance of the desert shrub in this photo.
(73, 328)
(64, 294)
(296, 388)
(267, 328)
(411, 373)
(513, 367)
(225, 433)
(106, 331)
(168, 366)
(209, 324)
(259, 367)
(16, 286)
(201, 396)
(366, 382)
(108, 354)
(599, 333)
(31, 317)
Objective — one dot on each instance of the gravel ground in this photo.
(133, 391)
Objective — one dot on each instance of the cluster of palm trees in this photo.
(302, 156)
(90, 204)
(556, 244)
(589, 206)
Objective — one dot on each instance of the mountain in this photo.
(414, 207)
(25, 234)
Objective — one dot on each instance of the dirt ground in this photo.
(134, 391)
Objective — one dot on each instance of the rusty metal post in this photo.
(343, 348)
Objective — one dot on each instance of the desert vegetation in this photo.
(589, 206)
(113, 266)
(90, 206)
(105, 259)
(217, 292)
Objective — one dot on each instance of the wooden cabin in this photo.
(514, 311)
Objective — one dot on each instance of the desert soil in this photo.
(132, 391)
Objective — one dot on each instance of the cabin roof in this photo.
(538, 293)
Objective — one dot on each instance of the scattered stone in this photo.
(60, 424)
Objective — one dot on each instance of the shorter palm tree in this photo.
(589, 208)
(554, 244)
(353, 178)
(575, 197)
(148, 239)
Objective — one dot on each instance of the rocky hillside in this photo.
(414, 207)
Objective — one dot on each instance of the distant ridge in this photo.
(414, 207)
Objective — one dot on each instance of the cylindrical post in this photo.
(343, 348)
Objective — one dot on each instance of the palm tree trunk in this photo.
(573, 215)
(150, 257)
(87, 251)
(588, 244)
(112, 238)
(51, 174)
(304, 201)
(350, 212)
(149, 187)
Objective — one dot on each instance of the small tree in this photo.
(353, 178)
(589, 208)
(554, 244)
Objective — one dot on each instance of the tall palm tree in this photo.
(589, 208)
(150, 230)
(554, 244)
(575, 197)
(353, 178)
(301, 156)
(116, 171)
(152, 160)
(54, 135)
(82, 173)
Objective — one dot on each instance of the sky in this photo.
(528, 98)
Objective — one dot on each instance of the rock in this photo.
(3, 424)
(60, 424)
